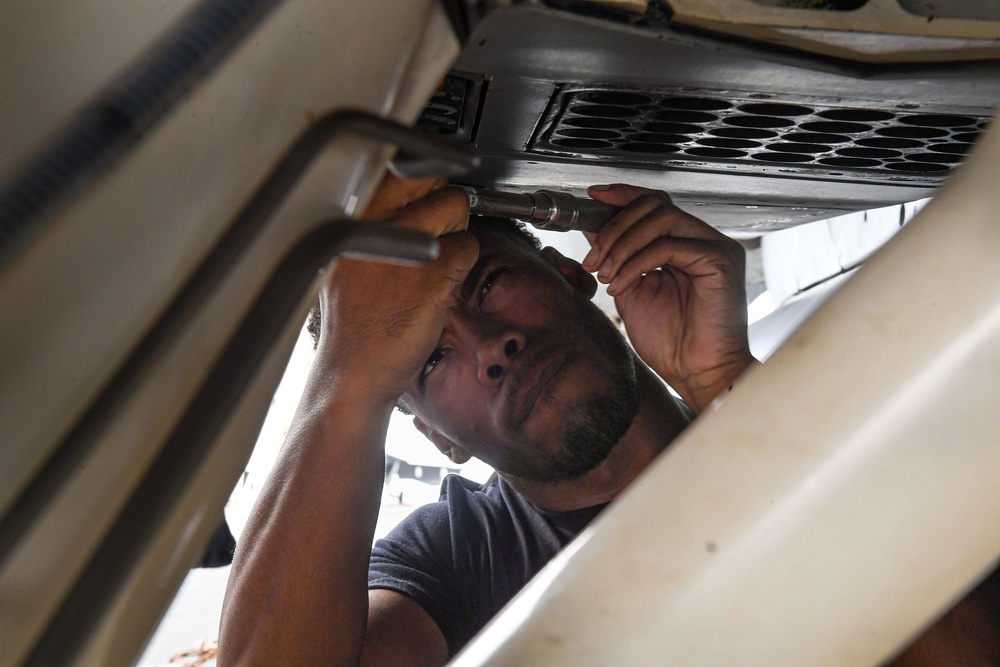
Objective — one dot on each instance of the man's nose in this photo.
(495, 355)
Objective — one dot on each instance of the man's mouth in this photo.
(528, 385)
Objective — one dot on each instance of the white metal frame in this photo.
(844, 494)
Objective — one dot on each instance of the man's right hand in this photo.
(380, 321)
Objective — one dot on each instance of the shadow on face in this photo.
(528, 375)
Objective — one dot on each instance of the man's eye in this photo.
(431, 362)
(490, 279)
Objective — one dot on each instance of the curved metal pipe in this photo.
(206, 415)
(35, 496)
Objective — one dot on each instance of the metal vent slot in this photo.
(807, 137)
(448, 113)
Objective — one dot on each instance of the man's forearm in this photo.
(298, 588)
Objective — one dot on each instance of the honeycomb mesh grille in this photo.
(805, 137)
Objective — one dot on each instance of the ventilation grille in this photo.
(801, 136)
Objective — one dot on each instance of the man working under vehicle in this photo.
(497, 351)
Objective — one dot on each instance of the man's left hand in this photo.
(678, 284)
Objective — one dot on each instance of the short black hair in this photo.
(515, 229)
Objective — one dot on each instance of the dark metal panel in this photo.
(552, 77)
(726, 200)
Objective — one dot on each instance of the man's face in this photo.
(528, 375)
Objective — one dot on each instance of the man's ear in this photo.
(444, 445)
(571, 270)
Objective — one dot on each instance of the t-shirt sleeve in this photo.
(415, 559)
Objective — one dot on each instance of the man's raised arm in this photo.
(298, 590)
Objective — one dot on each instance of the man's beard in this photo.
(594, 431)
(595, 426)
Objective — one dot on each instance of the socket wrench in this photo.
(544, 209)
